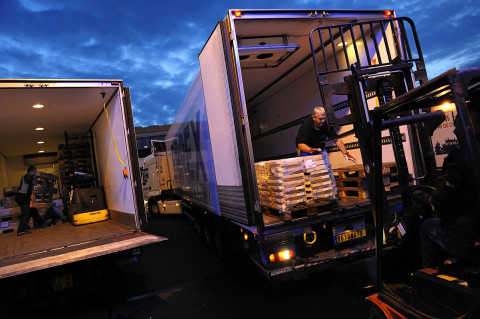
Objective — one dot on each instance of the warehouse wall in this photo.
(15, 170)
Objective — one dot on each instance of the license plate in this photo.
(351, 235)
(62, 282)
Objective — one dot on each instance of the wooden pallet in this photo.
(302, 209)
(351, 180)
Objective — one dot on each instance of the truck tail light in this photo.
(281, 256)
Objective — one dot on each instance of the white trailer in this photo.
(98, 112)
(255, 87)
(157, 188)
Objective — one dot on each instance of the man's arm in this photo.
(305, 148)
(343, 149)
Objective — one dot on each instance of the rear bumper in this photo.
(301, 268)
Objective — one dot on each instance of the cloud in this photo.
(40, 6)
(153, 46)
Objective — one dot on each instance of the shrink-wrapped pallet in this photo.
(284, 183)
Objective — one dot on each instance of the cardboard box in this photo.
(285, 183)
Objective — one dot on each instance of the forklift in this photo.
(393, 74)
(404, 288)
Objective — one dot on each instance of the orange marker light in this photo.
(245, 236)
(281, 255)
(237, 13)
(388, 13)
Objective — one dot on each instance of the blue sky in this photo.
(153, 45)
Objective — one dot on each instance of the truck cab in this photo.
(157, 184)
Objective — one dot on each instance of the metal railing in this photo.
(368, 44)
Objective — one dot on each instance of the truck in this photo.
(80, 134)
(157, 188)
(261, 74)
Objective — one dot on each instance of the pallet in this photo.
(302, 209)
(352, 192)
(10, 213)
(351, 181)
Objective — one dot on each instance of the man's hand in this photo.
(315, 151)
(349, 157)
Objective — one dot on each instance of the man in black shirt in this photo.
(312, 134)
(23, 198)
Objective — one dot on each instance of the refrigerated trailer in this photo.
(70, 129)
(261, 74)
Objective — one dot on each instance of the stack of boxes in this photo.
(286, 183)
(9, 211)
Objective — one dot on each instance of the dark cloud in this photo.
(153, 45)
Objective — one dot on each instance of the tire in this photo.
(207, 233)
(153, 209)
(199, 229)
(219, 240)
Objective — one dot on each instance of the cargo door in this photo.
(135, 166)
(231, 146)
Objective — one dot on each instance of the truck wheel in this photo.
(207, 234)
(219, 240)
(198, 224)
(153, 209)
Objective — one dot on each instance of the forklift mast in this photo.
(392, 71)
(386, 69)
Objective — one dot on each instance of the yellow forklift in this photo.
(405, 289)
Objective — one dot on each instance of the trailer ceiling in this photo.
(70, 109)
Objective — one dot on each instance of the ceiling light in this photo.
(38, 106)
(41, 151)
(341, 44)
(40, 142)
(39, 129)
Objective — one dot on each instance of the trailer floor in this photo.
(64, 243)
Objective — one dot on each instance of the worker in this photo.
(23, 198)
(312, 134)
(455, 233)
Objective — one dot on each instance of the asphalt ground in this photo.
(183, 278)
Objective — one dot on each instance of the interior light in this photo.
(40, 142)
(341, 44)
(39, 129)
(41, 151)
(38, 106)
(177, 204)
(237, 13)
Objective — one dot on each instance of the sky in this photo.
(153, 45)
